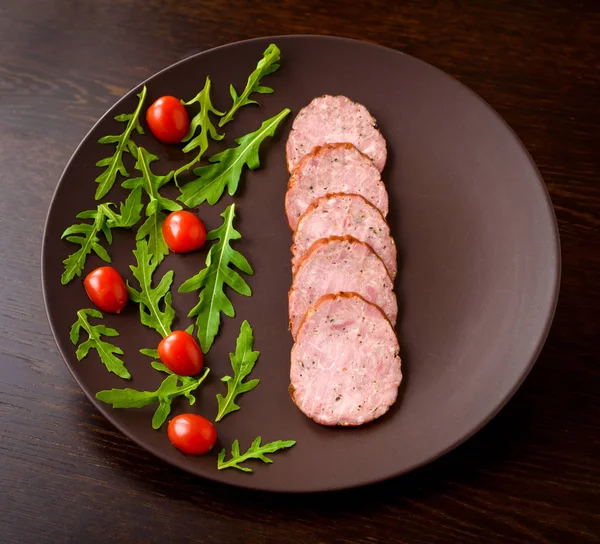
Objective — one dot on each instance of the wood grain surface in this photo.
(532, 475)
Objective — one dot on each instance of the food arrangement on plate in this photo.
(194, 205)
(345, 367)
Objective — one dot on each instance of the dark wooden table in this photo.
(66, 475)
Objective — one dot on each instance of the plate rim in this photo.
(555, 272)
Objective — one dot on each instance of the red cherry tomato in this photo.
(183, 232)
(192, 434)
(106, 289)
(180, 353)
(168, 119)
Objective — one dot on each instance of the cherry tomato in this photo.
(168, 119)
(180, 352)
(192, 434)
(106, 289)
(183, 232)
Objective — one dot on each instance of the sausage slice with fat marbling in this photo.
(341, 214)
(333, 119)
(333, 168)
(340, 264)
(345, 364)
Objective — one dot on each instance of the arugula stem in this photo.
(147, 179)
(221, 268)
(153, 305)
(223, 409)
(108, 213)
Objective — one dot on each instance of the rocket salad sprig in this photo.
(211, 280)
(203, 122)
(171, 387)
(255, 451)
(114, 165)
(225, 168)
(87, 235)
(106, 351)
(242, 363)
(267, 65)
(156, 309)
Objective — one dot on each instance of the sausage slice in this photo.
(341, 214)
(333, 119)
(345, 364)
(333, 168)
(340, 264)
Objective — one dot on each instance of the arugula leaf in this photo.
(267, 65)
(185, 380)
(108, 352)
(255, 451)
(151, 183)
(168, 390)
(113, 165)
(202, 120)
(210, 280)
(150, 298)
(129, 211)
(149, 352)
(226, 167)
(86, 234)
(151, 231)
(161, 367)
(242, 362)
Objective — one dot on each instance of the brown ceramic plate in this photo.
(477, 284)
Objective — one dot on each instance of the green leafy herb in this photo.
(108, 352)
(255, 451)
(129, 212)
(267, 65)
(161, 367)
(169, 389)
(86, 235)
(151, 299)
(148, 352)
(151, 229)
(202, 120)
(226, 167)
(185, 380)
(113, 165)
(151, 183)
(242, 362)
(210, 280)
